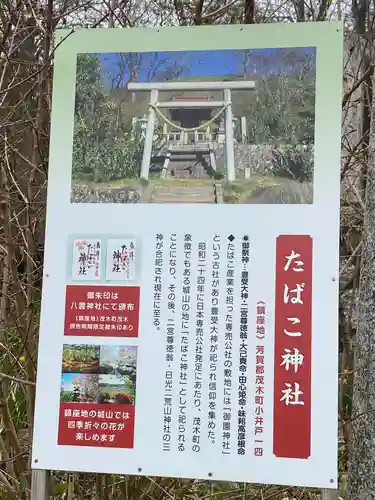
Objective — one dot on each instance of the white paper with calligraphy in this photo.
(86, 259)
(121, 260)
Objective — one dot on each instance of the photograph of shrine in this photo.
(225, 126)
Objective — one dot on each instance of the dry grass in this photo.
(241, 190)
(147, 488)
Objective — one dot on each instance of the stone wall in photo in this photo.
(85, 194)
(261, 158)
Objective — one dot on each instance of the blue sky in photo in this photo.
(67, 381)
(210, 62)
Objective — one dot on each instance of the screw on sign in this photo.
(292, 369)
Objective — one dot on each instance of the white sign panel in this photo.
(191, 329)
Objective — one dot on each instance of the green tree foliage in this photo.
(282, 109)
(281, 112)
(294, 162)
(103, 148)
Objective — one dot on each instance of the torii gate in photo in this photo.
(226, 105)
